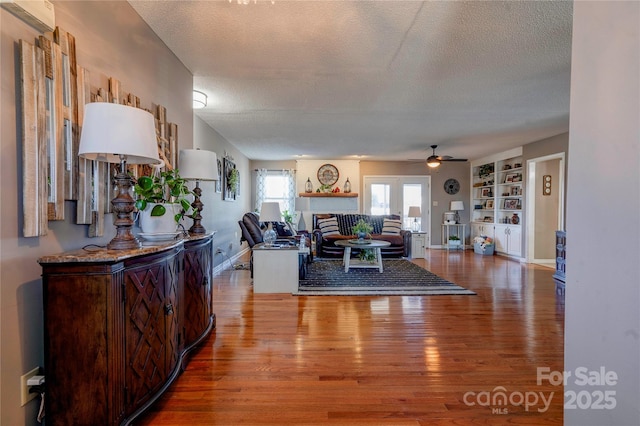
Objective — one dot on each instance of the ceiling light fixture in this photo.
(199, 100)
(433, 161)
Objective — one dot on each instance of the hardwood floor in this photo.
(278, 359)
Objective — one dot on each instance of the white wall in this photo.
(603, 239)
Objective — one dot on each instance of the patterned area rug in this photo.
(400, 277)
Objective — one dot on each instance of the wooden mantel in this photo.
(329, 194)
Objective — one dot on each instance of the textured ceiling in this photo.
(381, 79)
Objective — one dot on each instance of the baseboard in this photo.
(228, 263)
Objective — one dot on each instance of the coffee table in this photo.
(374, 245)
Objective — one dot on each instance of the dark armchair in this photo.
(252, 229)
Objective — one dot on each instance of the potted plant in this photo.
(454, 240)
(367, 255)
(162, 201)
(362, 229)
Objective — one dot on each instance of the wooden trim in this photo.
(328, 194)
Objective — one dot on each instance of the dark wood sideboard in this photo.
(118, 327)
(561, 261)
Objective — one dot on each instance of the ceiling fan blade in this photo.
(453, 159)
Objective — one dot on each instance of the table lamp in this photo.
(198, 165)
(456, 206)
(270, 212)
(303, 204)
(414, 212)
(119, 134)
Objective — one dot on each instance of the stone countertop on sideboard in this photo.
(102, 254)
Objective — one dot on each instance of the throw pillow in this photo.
(282, 229)
(391, 227)
(329, 226)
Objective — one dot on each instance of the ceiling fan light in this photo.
(433, 161)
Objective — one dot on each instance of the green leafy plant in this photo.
(453, 238)
(232, 179)
(362, 227)
(288, 217)
(367, 255)
(325, 188)
(167, 188)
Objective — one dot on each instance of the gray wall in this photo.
(603, 276)
(111, 40)
(218, 214)
(447, 170)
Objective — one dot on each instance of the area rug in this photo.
(326, 277)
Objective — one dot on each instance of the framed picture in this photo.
(511, 203)
(515, 190)
(219, 181)
(511, 177)
(489, 204)
(231, 180)
(486, 192)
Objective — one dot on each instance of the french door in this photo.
(395, 194)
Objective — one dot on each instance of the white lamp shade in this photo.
(110, 130)
(303, 204)
(270, 212)
(456, 205)
(198, 164)
(414, 211)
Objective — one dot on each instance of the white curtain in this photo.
(289, 190)
(261, 175)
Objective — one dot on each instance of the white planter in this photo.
(455, 242)
(164, 224)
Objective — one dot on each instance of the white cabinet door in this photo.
(515, 241)
(501, 238)
(418, 244)
(508, 239)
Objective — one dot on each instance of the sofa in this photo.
(331, 227)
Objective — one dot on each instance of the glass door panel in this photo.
(395, 194)
(411, 196)
(380, 199)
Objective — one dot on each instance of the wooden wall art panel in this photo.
(54, 90)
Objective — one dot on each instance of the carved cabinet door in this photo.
(197, 288)
(152, 326)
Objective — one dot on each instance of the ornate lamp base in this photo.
(123, 205)
(197, 228)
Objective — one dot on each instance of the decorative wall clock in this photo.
(451, 186)
(328, 174)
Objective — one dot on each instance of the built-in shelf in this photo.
(328, 194)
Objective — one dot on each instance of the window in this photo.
(276, 186)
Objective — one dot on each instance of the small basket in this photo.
(488, 249)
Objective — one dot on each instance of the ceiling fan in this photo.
(435, 160)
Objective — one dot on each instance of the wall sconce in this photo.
(199, 100)
(196, 164)
(119, 134)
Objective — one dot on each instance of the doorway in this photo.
(395, 194)
(545, 207)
